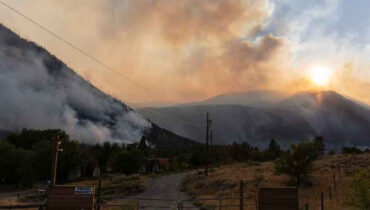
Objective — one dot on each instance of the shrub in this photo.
(331, 152)
(358, 194)
(129, 162)
(297, 162)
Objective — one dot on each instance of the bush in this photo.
(297, 162)
(351, 150)
(358, 195)
(129, 162)
(331, 152)
(16, 165)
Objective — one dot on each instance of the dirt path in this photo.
(164, 187)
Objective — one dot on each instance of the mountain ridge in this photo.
(39, 91)
(341, 121)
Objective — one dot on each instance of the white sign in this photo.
(81, 190)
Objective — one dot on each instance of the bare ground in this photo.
(163, 193)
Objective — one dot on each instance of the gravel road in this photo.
(164, 187)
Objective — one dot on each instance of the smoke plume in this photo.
(38, 91)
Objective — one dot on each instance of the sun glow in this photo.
(320, 75)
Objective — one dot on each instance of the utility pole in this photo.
(207, 145)
(55, 150)
(210, 149)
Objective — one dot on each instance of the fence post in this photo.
(306, 206)
(339, 170)
(322, 200)
(241, 192)
(335, 184)
(99, 193)
(329, 192)
(220, 203)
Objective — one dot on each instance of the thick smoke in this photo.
(194, 48)
(197, 48)
(39, 91)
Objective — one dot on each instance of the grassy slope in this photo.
(224, 181)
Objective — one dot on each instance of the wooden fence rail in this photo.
(38, 206)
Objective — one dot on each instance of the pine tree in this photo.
(273, 150)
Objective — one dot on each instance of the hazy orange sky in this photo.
(190, 49)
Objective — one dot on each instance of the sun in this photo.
(320, 75)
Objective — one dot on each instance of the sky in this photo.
(189, 50)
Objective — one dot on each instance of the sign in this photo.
(83, 190)
(71, 197)
(278, 198)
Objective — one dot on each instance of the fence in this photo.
(328, 194)
(36, 206)
(331, 192)
(150, 203)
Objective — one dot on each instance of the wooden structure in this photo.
(71, 197)
(278, 198)
(156, 164)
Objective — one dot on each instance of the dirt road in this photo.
(164, 187)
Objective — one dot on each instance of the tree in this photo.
(319, 145)
(351, 150)
(16, 165)
(129, 162)
(273, 151)
(297, 162)
(29, 156)
(358, 194)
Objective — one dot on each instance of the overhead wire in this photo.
(78, 49)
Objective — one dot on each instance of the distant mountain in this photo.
(258, 98)
(234, 123)
(301, 116)
(39, 91)
(333, 116)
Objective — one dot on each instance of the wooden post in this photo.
(219, 201)
(322, 200)
(306, 206)
(334, 183)
(207, 146)
(99, 193)
(329, 189)
(241, 194)
(339, 170)
(54, 152)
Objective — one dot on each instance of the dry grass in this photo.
(112, 186)
(224, 181)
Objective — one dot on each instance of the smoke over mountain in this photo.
(258, 116)
(212, 46)
(39, 91)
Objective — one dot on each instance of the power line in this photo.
(93, 59)
(73, 46)
(21, 58)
